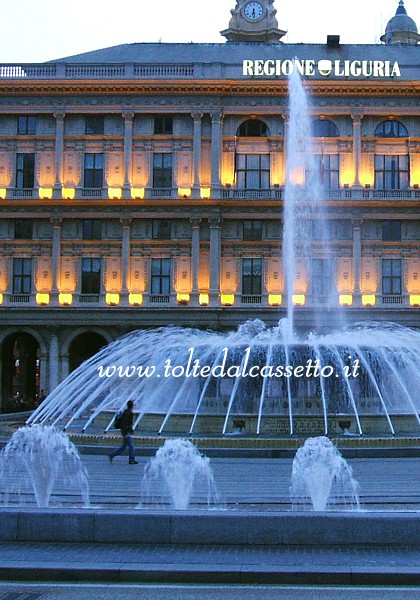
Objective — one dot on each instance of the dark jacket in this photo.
(126, 422)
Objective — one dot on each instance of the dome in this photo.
(401, 29)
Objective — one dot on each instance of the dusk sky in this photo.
(41, 30)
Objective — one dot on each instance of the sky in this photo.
(42, 30)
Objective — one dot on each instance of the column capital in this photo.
(125, 221)
(59, 116)
(195, 221)
(214, 222)
(128, 116)
(357, 223)
(357, 117)
(56, 221)
(217, 117)
(197, 116)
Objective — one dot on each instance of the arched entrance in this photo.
(20, 367)
(83, 347)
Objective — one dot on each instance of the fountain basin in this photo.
(210, 527)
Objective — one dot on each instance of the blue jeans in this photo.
(127, 443)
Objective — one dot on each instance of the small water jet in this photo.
(321, 478)
(35, 460)
(178, 473)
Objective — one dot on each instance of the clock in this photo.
(253, 11)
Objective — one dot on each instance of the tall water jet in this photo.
(321, 478)
(35, 460)
(178, 473)
(304, 206)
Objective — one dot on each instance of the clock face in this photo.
(253, 11)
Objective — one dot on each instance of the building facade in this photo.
(143, 185)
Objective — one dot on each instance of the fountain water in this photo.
(358, 371)
(179, 472)
(321, 477)
(35, 460)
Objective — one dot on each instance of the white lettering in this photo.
(324, 67)
(247, 67)
(395, 72)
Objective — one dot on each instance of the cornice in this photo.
(207, 87)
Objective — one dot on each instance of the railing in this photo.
(94, 71)
(156, 71)
(20, 298)
(92, 192)
(159, 299)
(88, 298)
(252, 194)
(396, 299)
(372, 194)
(251, 299)
(97, 71)
(160, 193)
(23, 193)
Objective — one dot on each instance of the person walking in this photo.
(126, 428)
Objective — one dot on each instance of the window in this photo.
(252, 231)
(163, 124)
(25, 171)
(22, 275)
(92, 229)
(391, 231)
(322, 283)
(94, 170)
(91, 276)
(391, 129)
(161, 229)
(162, 170)
(391, 172)
(325, 128)
(23, 229)
(252, 128)
(251, 276)
(391, 277)
(26, 125)
(161, 276)
(94, 124)
(253, 171)
(328, 168)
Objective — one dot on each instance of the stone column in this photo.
(216, 153)
(128, 153)
(59, 154)
(285, 142)
(43, 372)
(215, 254)
(125, 259)
(357, 147)
(64, 366)
(196, 154)
(195, 258)
(357, 260)
(55, 258)
(54, 370)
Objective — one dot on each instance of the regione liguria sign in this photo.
(321, 68)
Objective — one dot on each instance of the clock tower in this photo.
(253, 21)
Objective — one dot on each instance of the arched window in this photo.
(391, 129)
(325, 128)
(252, 128)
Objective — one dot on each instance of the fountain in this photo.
(179, 472)
(322, 478)
(185, 380)
(35, 460)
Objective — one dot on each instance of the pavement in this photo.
(244, 484)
